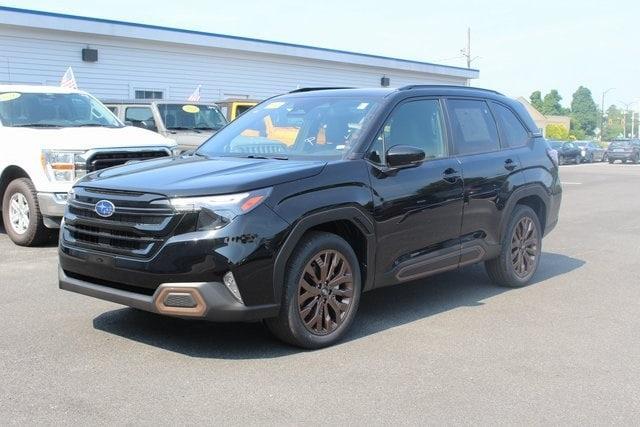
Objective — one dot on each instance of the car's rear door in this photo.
(417, 209)
(490, 173)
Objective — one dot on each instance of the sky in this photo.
(521, 46)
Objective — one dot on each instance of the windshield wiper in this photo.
(183, 128)
(253, 156)
(36, 125)
(97, 125)
(207, 128)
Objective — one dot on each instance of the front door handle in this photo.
(451, 175)
(510, 164)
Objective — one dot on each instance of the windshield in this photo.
(619, 144)
(300, 127)
(191, 116)
(556, 145)
(53, 110)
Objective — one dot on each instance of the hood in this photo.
(85, 138)
(201, 176)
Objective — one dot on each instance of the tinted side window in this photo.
(511, 130)
(138, 114)
(415, 123)
(474, 129)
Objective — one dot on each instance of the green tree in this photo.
(536, 100)
(551, 104)
(584, 112)
(613, 127)
(557, 131)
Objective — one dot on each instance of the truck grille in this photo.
(140, 224)
(106, 159)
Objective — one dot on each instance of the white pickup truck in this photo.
(50, 137)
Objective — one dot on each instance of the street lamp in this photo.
(602, 111)
(627, 106)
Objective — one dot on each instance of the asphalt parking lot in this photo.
(451, 349)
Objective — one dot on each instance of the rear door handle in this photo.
(451, 175)
(510, 164)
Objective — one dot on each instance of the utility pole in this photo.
(602, 112)
(466, 52)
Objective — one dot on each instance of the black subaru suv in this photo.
(296, 208)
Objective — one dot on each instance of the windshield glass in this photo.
(300, 127)
(53, 110)
(191, 116)
(619, 144)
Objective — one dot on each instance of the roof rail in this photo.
(311, 89)
(408, 87)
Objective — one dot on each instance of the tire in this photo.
(578, 159)
(611, 161)
(298, 329)
(501, 270)
(21, 195)
(560, 160)
(636, 159)
(590, 159)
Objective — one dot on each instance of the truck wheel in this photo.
(321, 292)
(521, 249)
(21, 214)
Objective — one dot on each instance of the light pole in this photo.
(602, 111)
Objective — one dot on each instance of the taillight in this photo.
(553, 155)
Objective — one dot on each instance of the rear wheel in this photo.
(321, 292)
(21, 214)
(521, 249)
(578, 159)
(636, 159)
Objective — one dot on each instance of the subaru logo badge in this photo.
(105, 208)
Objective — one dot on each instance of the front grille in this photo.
(107, 159)
(140, 224)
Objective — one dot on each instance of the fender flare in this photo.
(348, 213)
(519, 194)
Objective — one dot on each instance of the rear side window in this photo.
(512, 132)
(474, 129)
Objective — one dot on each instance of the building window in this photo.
(149, 94)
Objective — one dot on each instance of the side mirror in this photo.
(404, 155)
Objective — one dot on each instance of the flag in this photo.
(69, 80)
(195, 96)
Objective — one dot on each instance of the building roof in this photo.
(107, 27)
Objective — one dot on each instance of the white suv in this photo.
(50, 137)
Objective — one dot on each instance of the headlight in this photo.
(215, 212)
(63, 166)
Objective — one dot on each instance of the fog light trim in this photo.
(175, 293)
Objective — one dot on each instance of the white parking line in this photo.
(571, 183)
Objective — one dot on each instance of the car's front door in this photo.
(418, 209)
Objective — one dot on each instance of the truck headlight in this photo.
(63, 166)
(215, 212)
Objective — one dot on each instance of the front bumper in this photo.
(620, 156)
(52, 204)
(212, 300)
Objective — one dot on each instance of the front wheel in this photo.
(21, 214)
(321, 292)
(521, 250)
(578, 159)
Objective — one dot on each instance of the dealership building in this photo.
(123, 60)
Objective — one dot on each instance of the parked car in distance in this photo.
(380, 187)
(624, 150)
(52, 136)
(568, 152)
(189, 123)
(232, 108)
(591, 152)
